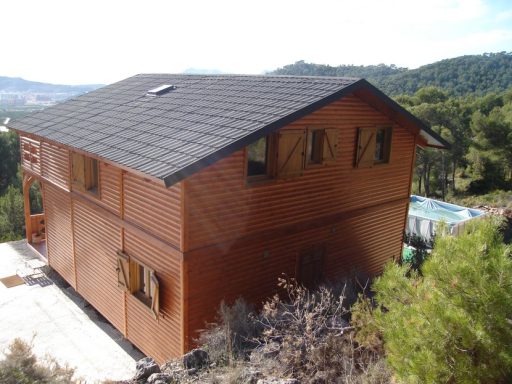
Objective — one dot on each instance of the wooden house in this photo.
(165, 194)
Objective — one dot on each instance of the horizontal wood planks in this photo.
(55, 164)
(86, 230)
(153, 207)
(243, 237)
(30, 154)
(222, 207)
(97, 241)
(57, 204)
(110, 187)
(250, 269)
(159, 338)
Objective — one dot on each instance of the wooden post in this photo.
(27, 182)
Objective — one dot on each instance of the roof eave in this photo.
(432, 138)
(243, 142)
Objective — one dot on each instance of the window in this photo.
(373, 146)
(258, 158)
(139, 280)
(287, 153)
(310, 266)
(322, 146)
(85, 173)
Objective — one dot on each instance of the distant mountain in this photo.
(474, 74)
(19, 85)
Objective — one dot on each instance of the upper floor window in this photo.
(85, 173)
(288, 152)
(258, 158)
(322, 146)
(373, 146)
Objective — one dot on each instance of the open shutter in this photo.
(123, 271)
(290, 153)
(330, 147)
(155, 295)
(90, 173)
(78, 170)
(365, 148)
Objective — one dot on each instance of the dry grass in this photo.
(305, 335)
(20, 366)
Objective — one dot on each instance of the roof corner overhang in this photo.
(380, 101)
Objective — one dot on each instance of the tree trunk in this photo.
(453, 175)
(427, 181)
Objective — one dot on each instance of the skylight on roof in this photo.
(161, 90)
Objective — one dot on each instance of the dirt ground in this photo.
(45, 311)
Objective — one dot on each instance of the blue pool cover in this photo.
(425, 213)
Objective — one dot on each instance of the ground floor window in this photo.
(139, 280)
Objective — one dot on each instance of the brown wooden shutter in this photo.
(330, 147)
(155, 295)
(78, 170)
(290, 153)
(123, 271)
(90, 173)
(365, 148)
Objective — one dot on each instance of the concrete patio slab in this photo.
(59, 322)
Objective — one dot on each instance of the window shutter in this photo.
(123, 271)
(155, 295)
(290, 153)
(365, 147)
(330, 147)
(90, 173)
(78, 170)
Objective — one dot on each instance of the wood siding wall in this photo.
(357, 245)
(110, 188)
(158, 338)
(97, 241)
(30, 154)
(55, 164)
(153, 207)
(222, 207)
(57, 204)
(85, 231)
(241, 238)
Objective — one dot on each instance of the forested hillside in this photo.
(468, 100)
(465, 75)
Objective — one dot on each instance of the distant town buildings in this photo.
(12, 100)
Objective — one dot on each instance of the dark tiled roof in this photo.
(175, 134)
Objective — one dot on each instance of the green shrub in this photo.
(454, 323)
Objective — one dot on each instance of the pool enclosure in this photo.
(425, 214)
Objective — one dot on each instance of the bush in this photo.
(232, 336)
(420, 253)
(453, 324)
(12, 217)
(307, 336)
(20, 366)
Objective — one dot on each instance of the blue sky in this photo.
(102, 41)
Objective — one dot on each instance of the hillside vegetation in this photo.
(17, 84)
(465, 75)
